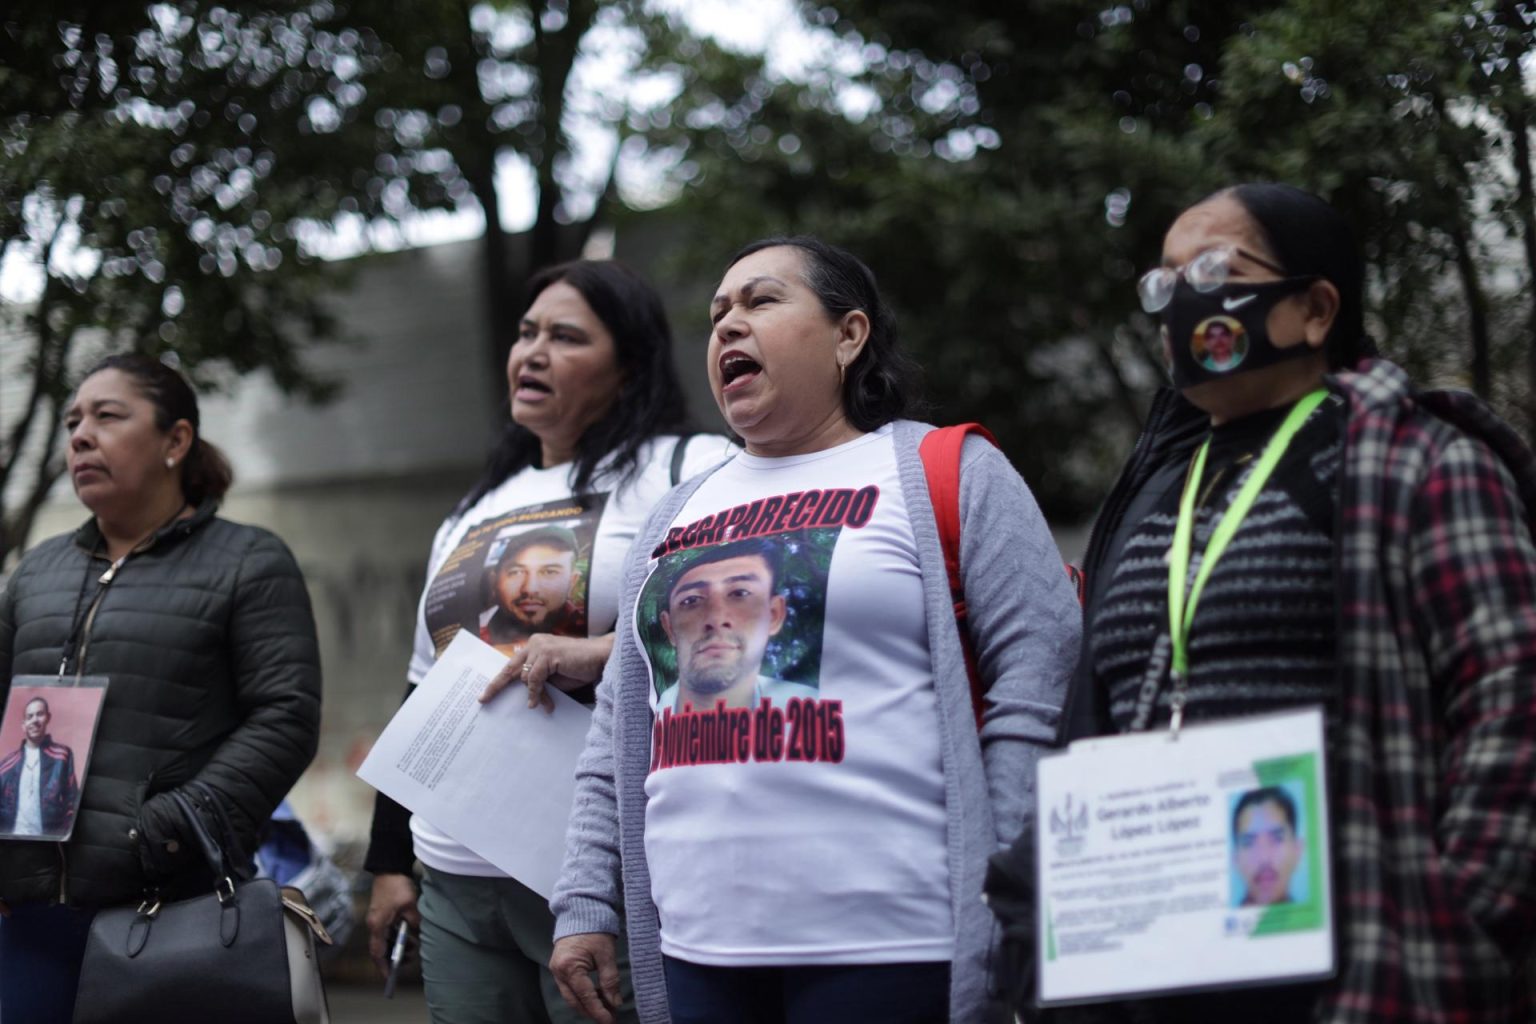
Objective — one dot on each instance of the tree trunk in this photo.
(43, 366)
(1477, 303)
(1517, 116)
(606, 200)
(19, 531)
(498, 297)
(554, 57)
(1458, 224)
(1519, 129)
(16, 526)
(476, 155)
(46, 397)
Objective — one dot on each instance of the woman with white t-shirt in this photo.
(784, 792)
(530, 561)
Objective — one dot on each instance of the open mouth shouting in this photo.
(737, 370)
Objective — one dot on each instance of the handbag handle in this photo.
(242, 867)
(217, 855)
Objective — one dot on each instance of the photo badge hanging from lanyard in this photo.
(1196, 858)
(47, 731)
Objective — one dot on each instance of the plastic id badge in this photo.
(46, 734)
(1182, 863)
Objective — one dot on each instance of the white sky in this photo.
(771, 27)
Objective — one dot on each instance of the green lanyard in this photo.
(1181, 611)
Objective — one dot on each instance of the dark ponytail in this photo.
(1310, 236)
(205, 472)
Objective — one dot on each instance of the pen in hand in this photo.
(396, 955)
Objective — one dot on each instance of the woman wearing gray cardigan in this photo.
(784, 797)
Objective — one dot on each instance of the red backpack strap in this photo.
(1079, 582)
(940, 451)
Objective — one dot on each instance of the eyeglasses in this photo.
(1205, 273)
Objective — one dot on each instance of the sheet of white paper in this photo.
(497, 777)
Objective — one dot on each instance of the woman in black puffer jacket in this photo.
(204, 631)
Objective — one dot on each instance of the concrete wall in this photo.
(414, 392)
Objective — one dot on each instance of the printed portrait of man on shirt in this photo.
(533, 585)
(730, 627)
(513, 575)
(38, 788)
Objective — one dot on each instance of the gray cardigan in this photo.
(1026, 622)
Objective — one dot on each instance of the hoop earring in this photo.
(842, 373)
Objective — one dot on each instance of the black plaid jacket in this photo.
(1434, 762)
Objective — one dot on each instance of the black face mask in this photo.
(1216, 334)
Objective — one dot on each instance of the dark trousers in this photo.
(832, 994)
(41, 946)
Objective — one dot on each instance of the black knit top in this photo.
(1262, 638)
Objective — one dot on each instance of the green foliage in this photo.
(1007, 168)
(1018, 164)
(161, 166)
(1013, 176)
(173, 168)
(171, 159)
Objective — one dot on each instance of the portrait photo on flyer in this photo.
(517, 574)
(1183, 865)
(47, 731)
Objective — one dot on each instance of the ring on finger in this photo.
(527, 667)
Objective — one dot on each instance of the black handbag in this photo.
(242, 954)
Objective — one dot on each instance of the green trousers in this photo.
(485, 945)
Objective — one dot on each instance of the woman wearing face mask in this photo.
(1384, 569)
(784, 784)
(203, 630)
(530, 562)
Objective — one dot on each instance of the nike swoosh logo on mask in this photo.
(1237, 302)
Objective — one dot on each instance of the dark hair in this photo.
(1308, 236)
(752, 547)
(650, 401)
(38, 700)
(1267, 795)
(882, 383)
(205, 472)
(550, 536)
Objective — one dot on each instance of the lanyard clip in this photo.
(1177, 699)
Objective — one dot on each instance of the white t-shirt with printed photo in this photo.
(461, 591)
(801, 819)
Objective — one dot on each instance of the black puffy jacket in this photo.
(208, 641)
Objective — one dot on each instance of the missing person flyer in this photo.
(1180, 863)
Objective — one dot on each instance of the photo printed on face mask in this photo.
(1216, 334)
